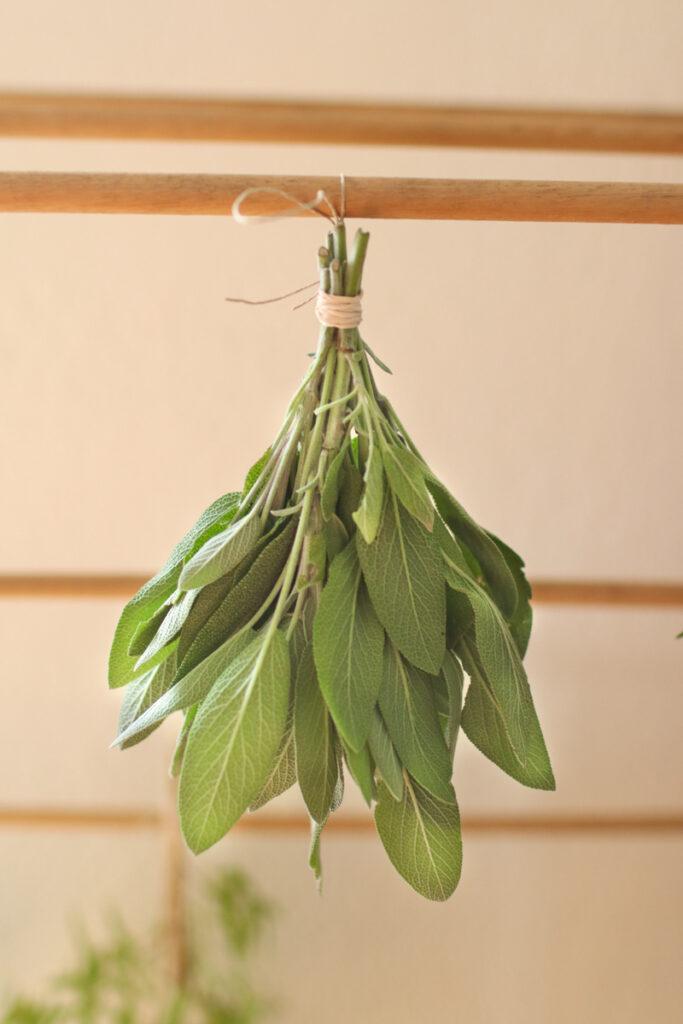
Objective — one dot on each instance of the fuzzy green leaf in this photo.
(155, 591)
(422, 838)
(235, 736)
(169, 628)
(316, 755)
(406, 476)
(330, 491)
(142, 693)
(404, 576)
(243, 600)
(359, 763)
(385, 757)
(181, 743)
(448, 689)
(368, 515)
(485, 727)
(492, 562)
(347, 643)
(520, 622)
(221, 553)
(190, 689)
(406, 701)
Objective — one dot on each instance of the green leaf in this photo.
(347, 643)
(350, 488)
(368, 515)
(360, 765)
(155, 591)
(181, 742)
(255, 471)
(316, 755)
(336, 537)
(243, 600)
(485, 727)
(385, 756)
(142, 693)
(190, 689)
(422, 838)
(282, 774)
(168, 629)
(314, 859)
(493, 565)
(145, 632)
(448, 688)
(404, 576)
(490, 645)
(235, 736)
(520, 622)
(330, 491)
(221, 553)
(406, 701)
(406, 476)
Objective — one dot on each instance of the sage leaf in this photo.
(336, 537)
(489, 644)
(403, 572)
(369, 513)
(448, 690)
(141, 693)
(493, 564)
(406, 476)
(385, 757)
(190, 689)
(330, 491)
(243, 601)
(422, 838)
(146, 631)
(221, 553)
(314, 858)
(181, 743)
(485, 727)
(359, 763)
(406, 701)
(255, 471)
(169, 628)
(282, 774)
(233, 741)
(347, 643)
(520, 621)
(316, 756)
(350, 488)
(160, 587)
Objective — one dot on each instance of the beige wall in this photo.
(540, 367)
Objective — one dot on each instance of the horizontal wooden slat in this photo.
(366, 198)
(92, 818)
(68, 116)
(600, 592)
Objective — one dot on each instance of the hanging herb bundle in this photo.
(323, 619)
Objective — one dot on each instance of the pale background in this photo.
(539, 367)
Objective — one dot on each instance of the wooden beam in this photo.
(366, 198)
(575, 592)
(71, 116)
(344, 824)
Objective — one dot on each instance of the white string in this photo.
(343, 311)
(320, 197)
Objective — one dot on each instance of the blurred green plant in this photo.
(124, 980)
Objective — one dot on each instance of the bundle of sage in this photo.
(325, 617)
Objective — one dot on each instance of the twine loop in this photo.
(342, 311)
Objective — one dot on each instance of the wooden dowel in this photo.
(579, 592)
(366, 198)
(345, 824)
(68, 116)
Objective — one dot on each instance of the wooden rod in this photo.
(366, 198)
(265, 822)
(574, 592)
(70, 116)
